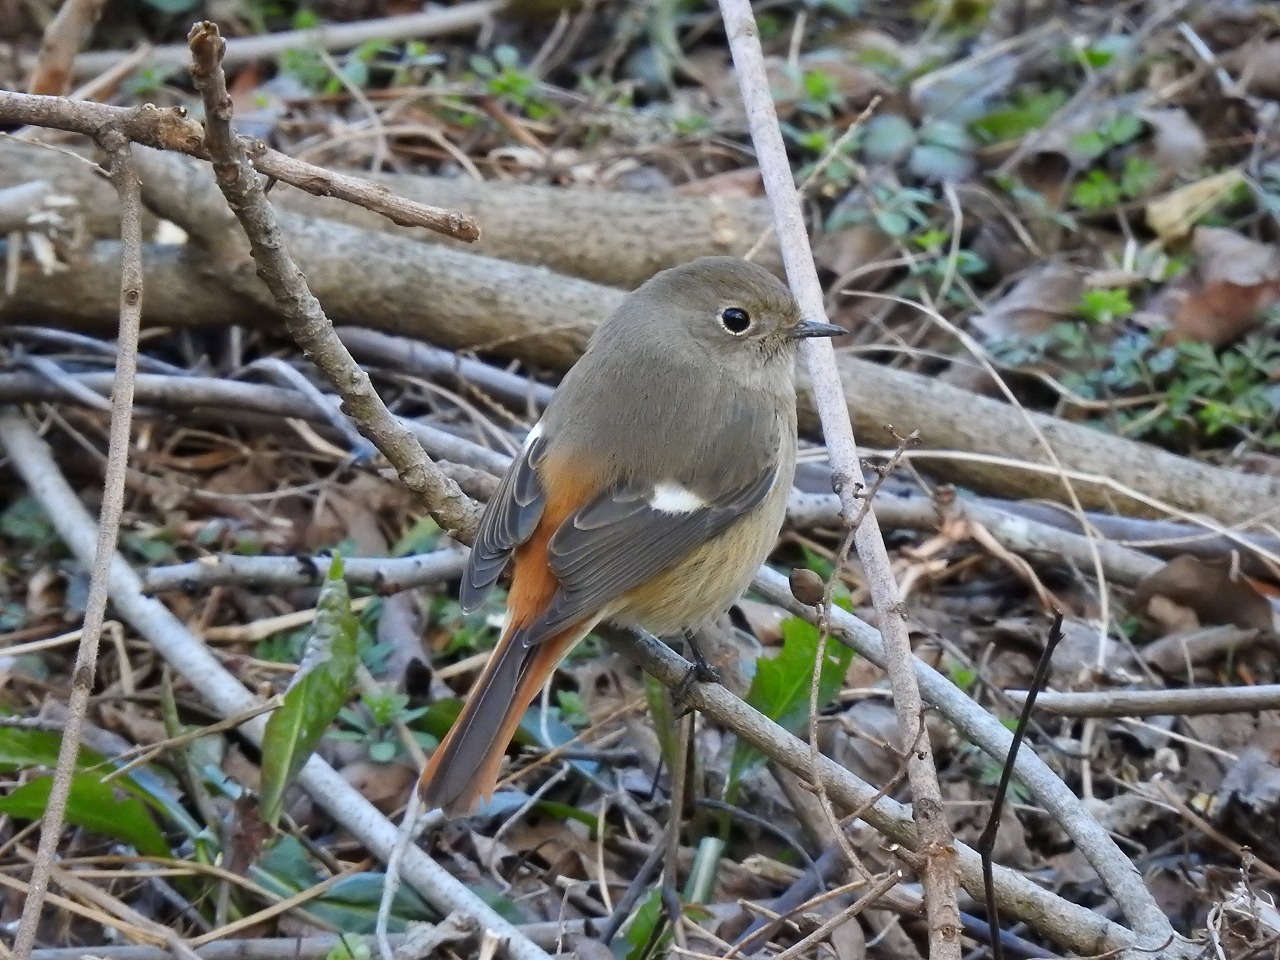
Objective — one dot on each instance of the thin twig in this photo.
(125, 176)
(1117, 872)
(1195, 701)
(172, 129)
(938, 872)
(456, 513)
(1067, 923)
(987, 841)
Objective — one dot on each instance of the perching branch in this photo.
(125, 176)
(241, 184)
(937, 868)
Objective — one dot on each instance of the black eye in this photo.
(736, 320)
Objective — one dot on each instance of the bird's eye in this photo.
(736, 320)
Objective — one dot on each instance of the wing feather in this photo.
(509, 520)
(618, 542)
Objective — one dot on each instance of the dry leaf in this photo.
(1173, 215)
(847, 250)
(730, 183)
(1046, 296)
(1235, 281)
(1248, 802)
(1215, 593)
(1257, 67)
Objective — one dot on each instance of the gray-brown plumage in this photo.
(649, 493)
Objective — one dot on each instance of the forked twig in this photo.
(242, 185)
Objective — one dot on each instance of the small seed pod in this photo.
(806, 586)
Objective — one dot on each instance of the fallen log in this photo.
(612, 237)
(465, 301)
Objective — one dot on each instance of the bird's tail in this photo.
(465, 766)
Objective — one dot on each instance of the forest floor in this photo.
(1050, 230)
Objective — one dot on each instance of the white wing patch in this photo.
(673, 499)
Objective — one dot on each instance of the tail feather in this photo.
(464, 768)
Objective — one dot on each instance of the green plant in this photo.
(1115, 131)
(1029, 110)
(373, 723)
(1105, 305)
(820, 94)
(1099, 190)
(316, 695)
(506, 79)
(839, 168)
(780, 687)
(895, 210)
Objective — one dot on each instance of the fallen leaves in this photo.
(1234, 281)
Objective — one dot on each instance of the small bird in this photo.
(648, 494)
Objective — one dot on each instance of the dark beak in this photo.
(807, 329)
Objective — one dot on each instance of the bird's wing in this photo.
(629, 534)
(509, 520)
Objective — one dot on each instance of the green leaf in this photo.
(25, 521)
(931, 161)
(780, 687)
(643, 923)
(887, 138)
(317, 694)
(1139, 177)
(29, 749)
(421, 537)
(351, 904)
(1027, 112)
(92, 805)
(1096, 191)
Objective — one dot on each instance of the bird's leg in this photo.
(700, 672)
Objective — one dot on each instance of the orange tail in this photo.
(465, 766)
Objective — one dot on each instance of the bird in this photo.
(647, 495)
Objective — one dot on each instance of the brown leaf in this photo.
(730, 183)
(1257, 67)
(1215, 593)
(1046, 296)
(1236, 280)
(852, 248)
(1248, 802)
(382, 784)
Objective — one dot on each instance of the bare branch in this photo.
(456, 513)
(1149, 703)
(172, 129)
(337, 36)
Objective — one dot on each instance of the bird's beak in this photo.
(807, 329)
